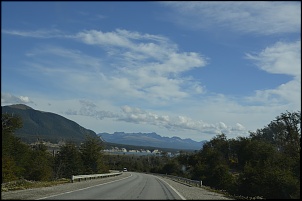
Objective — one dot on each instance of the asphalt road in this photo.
(135, 186)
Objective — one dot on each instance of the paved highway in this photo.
(135, 186)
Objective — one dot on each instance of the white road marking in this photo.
(183, 198)
(84, 188)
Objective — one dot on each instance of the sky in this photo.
(187, 69)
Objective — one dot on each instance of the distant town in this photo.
(54, 149)
(116, 150)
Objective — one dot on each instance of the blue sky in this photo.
(186, 69)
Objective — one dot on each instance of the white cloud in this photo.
(65, 58)
(135, 66)
(286, 94)
(222, 125)
(248, 17)
(281, 58)
(239, 127)
(24, 99)
(94, 37)
(139, 116)
(87, 108)
(176, 123)
(161, 54)
(51, 33)
(7, 98)
(146, 70)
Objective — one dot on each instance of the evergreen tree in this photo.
(91, 153)
(15, 153)
(40, 164)
(68, 161)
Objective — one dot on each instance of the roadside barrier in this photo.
(93, 176)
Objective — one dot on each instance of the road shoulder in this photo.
(194, 193)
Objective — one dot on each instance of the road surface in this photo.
(135, 186)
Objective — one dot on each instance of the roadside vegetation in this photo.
(266, 164)
(22, 184)
(25, 166)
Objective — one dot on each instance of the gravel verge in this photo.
(194, 193)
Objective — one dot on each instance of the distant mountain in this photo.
(46, 126)
(151, 139)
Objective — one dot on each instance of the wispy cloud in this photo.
(76, 58)
(153, 49)
(136, 65)
(139, 116)
(149, 64)
(280, 58)
(90, 109)
(258, 17)
(42, 33)
(146, 71)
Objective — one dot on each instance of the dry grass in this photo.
(26, 184)
(236, 197)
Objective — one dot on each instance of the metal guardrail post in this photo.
(90, 177)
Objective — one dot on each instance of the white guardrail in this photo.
(93, 176)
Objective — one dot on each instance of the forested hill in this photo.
(46, 126)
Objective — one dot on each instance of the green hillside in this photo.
(46, 126)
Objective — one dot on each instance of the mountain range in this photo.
(47, 126)
(151, 139)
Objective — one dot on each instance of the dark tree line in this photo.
(266, 163)
(84, 159)
(21, 161)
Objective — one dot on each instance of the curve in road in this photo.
(137, 186)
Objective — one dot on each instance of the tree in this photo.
(284, 132)
(221, 178)
(92, 157)
(10, 123)
(8, 169)
(172, 167)
(14, 152)
(39, 167)
(216, 151)
(269, 181)
(68, 161)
